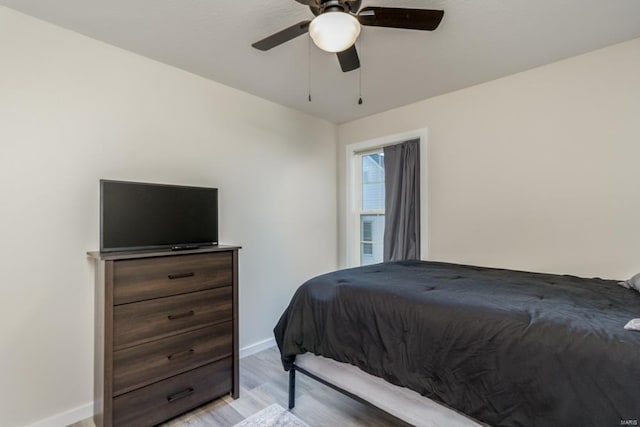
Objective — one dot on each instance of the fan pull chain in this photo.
(309, 69)
(360, 73)
(360, 78)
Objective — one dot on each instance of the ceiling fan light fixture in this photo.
(334, 31)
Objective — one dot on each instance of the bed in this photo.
(502, 347)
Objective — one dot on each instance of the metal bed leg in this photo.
(292, 387)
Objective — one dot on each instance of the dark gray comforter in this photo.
(508, 348)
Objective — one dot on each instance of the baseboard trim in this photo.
(65, 418)
(257, 347)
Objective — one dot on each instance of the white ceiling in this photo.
(478, 41)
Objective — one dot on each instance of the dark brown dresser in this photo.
(166, 333)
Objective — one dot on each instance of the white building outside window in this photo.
(370, 186)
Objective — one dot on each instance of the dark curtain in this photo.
(402, 201)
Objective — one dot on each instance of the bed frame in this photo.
(399, 402)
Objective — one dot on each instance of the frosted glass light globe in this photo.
(334, 31)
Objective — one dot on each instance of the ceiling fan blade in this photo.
(283, 36)
(412, 19)
(349, 60)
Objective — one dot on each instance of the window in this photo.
(364, 210)
(367, 237)
(370, 207)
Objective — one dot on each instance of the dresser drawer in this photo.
(146, 321)
(148, 278)
(166, 399)
(141, 365)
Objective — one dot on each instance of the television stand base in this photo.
(184, 247)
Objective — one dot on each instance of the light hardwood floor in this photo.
(263, 382)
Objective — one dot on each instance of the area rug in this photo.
(272, 416)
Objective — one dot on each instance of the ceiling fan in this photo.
(336, 26)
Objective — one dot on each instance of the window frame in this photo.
(350, 243)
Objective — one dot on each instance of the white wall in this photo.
(73, 110)
(536, 171)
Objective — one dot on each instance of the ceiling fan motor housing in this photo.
(321, 6)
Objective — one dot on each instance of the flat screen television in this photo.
(143, 216)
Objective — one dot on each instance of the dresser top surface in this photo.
(111, 256)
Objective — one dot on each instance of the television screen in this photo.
(136, 216)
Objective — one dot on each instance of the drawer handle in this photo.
(181, 315)
(180, 275)
(181, 353)
(180, 395)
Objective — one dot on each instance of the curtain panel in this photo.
(402, 201)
